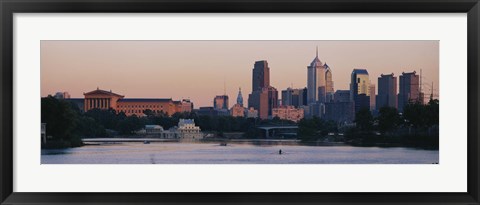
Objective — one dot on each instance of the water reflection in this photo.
(240, 152)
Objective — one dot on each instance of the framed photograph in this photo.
(236, 102)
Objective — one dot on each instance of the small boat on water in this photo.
(146, 142)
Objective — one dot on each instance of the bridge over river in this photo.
(114, 140)
(278, 127)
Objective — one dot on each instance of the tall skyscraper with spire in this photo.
(319, 84)
(240, 97)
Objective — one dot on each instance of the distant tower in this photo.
(240, 97)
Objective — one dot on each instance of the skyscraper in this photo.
(341, 109)
(372, 97)
(360, 89)
(319, 86)
(263, 97)
(387, 91)
(261, 75)
(319, 81)
(342, 96)
(409, 89)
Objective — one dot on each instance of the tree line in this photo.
(67, 124)
(417, 125)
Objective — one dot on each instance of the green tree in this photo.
(61, 123)
(129, 125)
(433, 112)
(315, 128)
(364, 120)
(388, 119)
(415, 115)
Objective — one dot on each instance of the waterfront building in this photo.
(188, 130)
(288, 113)
(220, 102)
(387, 91)
(372, 97)
(409, 89)
(263, 97)
(360, 89)
(101, 99)
(153, 130)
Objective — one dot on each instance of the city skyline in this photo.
(166, 69)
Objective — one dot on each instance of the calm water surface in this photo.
(213, 153)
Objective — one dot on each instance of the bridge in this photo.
(268, 128)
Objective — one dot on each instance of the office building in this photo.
(319, 81)
(360, 89)
(409, 89)
(387, 91)
(220, 102)
(288, 113)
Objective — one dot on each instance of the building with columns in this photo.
(102, 99)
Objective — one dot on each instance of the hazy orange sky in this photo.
(198, 69)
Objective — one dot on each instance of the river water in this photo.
(213, 153)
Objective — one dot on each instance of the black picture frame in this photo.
(9, 7)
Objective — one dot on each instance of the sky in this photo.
(200, 70)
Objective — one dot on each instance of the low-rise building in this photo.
(288, 113)
(251, 113)
(237, 111)
(187, 129)
(153, 129)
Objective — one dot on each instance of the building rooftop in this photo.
(360, 71)
(104, 92)
(145, 100)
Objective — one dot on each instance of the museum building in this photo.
(102, 99)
